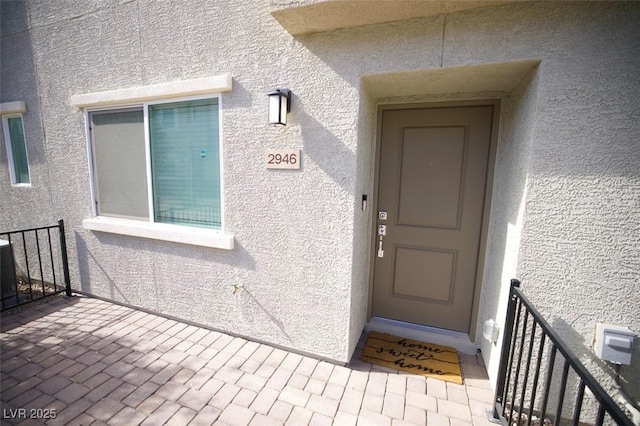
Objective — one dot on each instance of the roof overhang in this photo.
(300, 17)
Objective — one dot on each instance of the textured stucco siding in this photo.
(566, 179)
(16, 61)
(577, 221)
(517, 123)
(293, 229)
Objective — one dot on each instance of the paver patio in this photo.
(91, 362)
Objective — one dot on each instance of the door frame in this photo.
(486, 209)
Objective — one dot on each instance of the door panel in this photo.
(434, 182)
(423, 273)
(433, 166)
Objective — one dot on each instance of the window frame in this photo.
(92, 160)
(150, 228)
(148, 151)
(13, 173)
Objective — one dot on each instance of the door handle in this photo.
(382, 231)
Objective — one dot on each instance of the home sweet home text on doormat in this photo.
(412, 356)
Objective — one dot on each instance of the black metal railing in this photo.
(33, 264)
(540, 381)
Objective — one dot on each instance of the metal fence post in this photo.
(65, 260)
(498, 403)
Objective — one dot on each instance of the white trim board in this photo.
(201, 86)
(16, 107)
(160, 231)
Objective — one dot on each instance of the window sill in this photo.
(160, 231)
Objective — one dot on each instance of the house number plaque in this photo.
(283, 159)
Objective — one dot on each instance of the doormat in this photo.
(412, 356)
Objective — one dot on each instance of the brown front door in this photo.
(433, 168)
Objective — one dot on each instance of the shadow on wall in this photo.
(239, 97)
(382, 48)
(583, 349)
(326, 150)
(90, 265)
(238, 257)
(19, 76)
(18, 70)
(517, 126)
(278, 322)
(85, 258)
(19, 83)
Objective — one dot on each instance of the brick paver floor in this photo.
(86, 361)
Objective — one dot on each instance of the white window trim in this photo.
(161, 231)
(157, 92)
(17, 107)
(150, 229)
(14, 112)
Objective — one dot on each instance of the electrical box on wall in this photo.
(491, 330)
(614, 343)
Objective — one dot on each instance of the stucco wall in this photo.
(18, 83)
(566, 185)
(517, 124)
(293, 229)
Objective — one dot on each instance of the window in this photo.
(158, 162)
(16, 149)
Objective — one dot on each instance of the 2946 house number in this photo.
(283, 159)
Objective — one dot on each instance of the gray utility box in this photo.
(7, 274)
(614, 343)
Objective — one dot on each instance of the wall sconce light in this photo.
(279, 106)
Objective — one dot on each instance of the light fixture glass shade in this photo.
(279, 105)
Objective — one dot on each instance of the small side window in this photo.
(16, 149)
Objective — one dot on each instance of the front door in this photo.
(433, 168)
